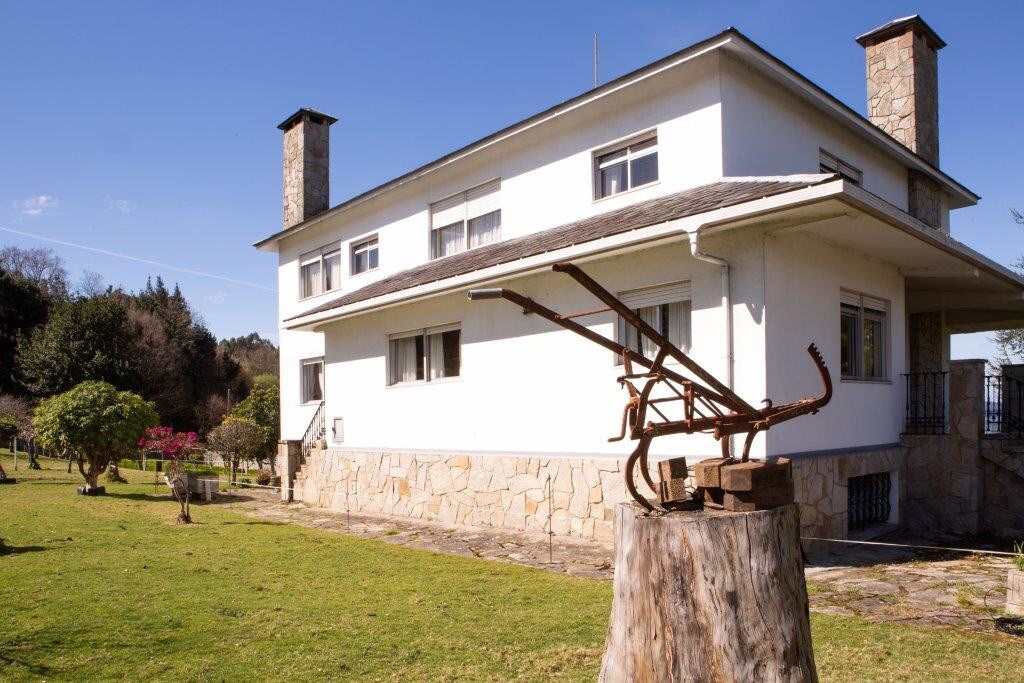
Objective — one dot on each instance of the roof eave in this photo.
(730, 38)
(751, 51)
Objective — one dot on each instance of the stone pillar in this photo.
(966, 427)
(927, 342)
(903, 100)
(306, 165)
(288, 455)
(903, 83)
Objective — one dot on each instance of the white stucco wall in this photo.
(714, 118)
(546, 176)
(769, 131)
(804, 276)
(526, 385)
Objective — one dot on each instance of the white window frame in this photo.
(303, 389)
(363, 246)
(830, 163)
(319, 256)
(865, 307)
(464, 213)
(628, 159)
(679, 292)
(425, 333)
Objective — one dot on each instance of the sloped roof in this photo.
(690, 202)
(728, 37)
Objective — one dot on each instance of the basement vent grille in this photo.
(869, 501)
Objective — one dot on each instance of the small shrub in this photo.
(263, 477)
(1018, 559)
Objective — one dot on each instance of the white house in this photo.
(734, 202)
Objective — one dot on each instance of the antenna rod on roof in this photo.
(595, 60)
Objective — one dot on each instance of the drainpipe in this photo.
(701, 255)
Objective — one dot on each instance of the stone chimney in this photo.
(903, 99)
(306, 165)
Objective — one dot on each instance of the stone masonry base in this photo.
(577, 495)
(820, 485)
(520, 492)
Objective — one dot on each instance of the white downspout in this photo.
(701, 255)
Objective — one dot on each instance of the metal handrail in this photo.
(1004, 405)
(925, 403)
(315, 431)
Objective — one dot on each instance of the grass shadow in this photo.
(150, 497)
(19, 549)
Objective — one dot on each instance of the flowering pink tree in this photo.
(176, 447)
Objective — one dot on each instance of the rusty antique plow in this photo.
(663, 401)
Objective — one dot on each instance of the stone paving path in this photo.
(926, 588)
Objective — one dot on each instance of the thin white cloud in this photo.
(137, 259)
(33, 206)
(217, 297)
(122, 205)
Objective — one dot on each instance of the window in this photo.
(830, 163)
(466, 220)
(666, 308)
(424, 355)
(863, 337)
(630, 165)
(364, 255)
(312, 380)
(320, 271)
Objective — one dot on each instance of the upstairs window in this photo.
(364, 255)
(666, 308)
(424, 355)
(466, 220)
(863, 337)
(312, 380)
(830, 163)
(320, 271)
(629, 165)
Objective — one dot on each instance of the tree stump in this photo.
(708, 596)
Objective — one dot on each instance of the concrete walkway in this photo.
(926, 588)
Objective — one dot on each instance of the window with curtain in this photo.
(863, 337)
(424, 355)
(364, 255)
(312, 380)
(666, 308)
(466, 220)
(626, 166)
(320, 271)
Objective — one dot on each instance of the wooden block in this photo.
(672, 490)
(711, 495)
(756, 474)
(707, 473)
(761, 499)
(673, 468)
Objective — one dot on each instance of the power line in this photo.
(137, 259)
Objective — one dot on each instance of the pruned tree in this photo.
(177, 448)
(263, 407)
(237, 439)
(1011, 342)
(95, 422)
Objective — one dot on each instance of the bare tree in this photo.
(1011, 342)
(41, 266)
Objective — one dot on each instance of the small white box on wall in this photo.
(339, 430)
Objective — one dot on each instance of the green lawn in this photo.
(111, 588)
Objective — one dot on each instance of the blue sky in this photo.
(148, 129)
